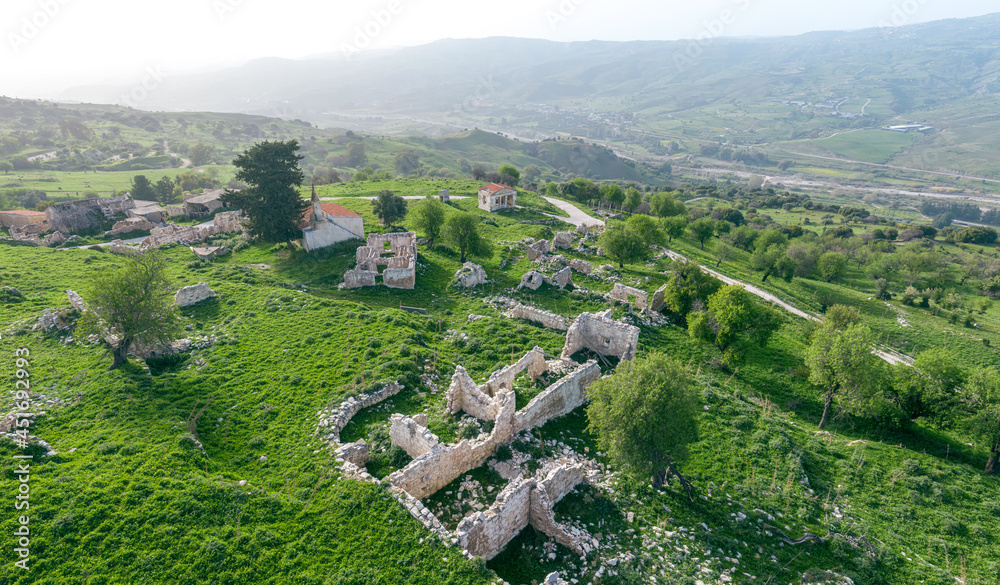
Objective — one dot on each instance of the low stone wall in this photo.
(359, 278)
(581, 266)
(414, 438)
(545, 318)
(603, 335)
(333, 421)
(559, 399)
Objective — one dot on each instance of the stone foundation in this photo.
(397, 252)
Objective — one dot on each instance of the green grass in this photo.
(134, 501)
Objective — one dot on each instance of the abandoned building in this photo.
(203, 204)
(326, 224)
(397, 252)
(72, 216)
(626, 294)
(22, 217)
(602, 334)
(495, 197)
(151, 211)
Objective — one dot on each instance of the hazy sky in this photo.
(50, 45)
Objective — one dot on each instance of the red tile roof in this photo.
(330, 209)
(493, 188)
(337, 210)
(24, 212)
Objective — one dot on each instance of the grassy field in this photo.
(128, 498)
(876, 146)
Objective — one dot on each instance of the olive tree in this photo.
(645, 415)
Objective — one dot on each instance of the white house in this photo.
(325, 224)
(495, 197)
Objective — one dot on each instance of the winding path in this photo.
(576, 217)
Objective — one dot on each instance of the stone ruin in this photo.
(659, 298)
(79, 215)
(224, 223)
(209, 253)
(581, 266)
(31, 234)
(471, 275)
(534, 279)
(625, 294)
(131, 224)
(602, 334)
(525, 500)
(192, 295)
(562, 240)
(538, 249)
(397, 252)
(544, 318)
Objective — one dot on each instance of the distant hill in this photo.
(638, 95)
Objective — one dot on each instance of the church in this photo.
(325, 224)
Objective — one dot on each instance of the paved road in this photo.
(576, 217)
(888, 354)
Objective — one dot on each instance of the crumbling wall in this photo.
(400, 260)
(622, 293)
(503, 380)
(581, 266)
(562, 279)
(559, 399)
(333, 422)
(359, 278)
(545, 318)
(532, 280)
(410, 436)
(563, 240)
(471, 275)
(440, 466)
(538, 249)
(602, 335)
(464, 395)
(659, 298)
(525, 501)
(79, 215)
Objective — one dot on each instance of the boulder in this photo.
(192, 295)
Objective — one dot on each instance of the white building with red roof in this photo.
(495, 197)
(325, 224)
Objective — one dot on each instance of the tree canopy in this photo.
(734, 320)
(462, 232)
(271, 203)
(429, 217)
(388, 207)
(645, 415)
(131, 304)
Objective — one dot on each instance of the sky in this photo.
(51, 45)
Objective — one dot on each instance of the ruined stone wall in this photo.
(602, 335)
(545, 318)
(522, 502)
(485, 534)
(414, 438)
(333, 422)
(435, 469)
(559, 399)
(533, 362)
(77, 215)
(464, 395)
(359, 278)
(622, 293)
